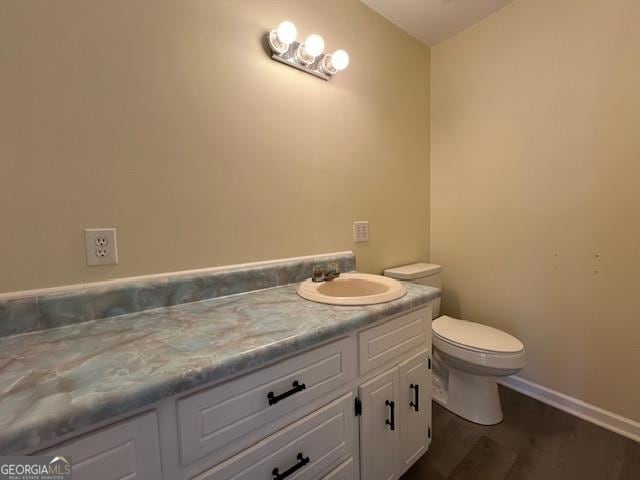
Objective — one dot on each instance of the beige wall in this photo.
(169, 121)
(536, 188)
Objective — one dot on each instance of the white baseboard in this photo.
(611, 421)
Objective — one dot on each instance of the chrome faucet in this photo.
(326, 274)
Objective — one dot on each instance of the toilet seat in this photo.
(475, 336)
(477, 344)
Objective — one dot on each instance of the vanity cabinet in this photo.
(358, 407)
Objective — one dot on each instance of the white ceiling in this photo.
(433, 21)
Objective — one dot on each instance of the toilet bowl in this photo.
(474, 355)
(468, 356)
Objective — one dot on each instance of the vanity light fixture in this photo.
(306, 56)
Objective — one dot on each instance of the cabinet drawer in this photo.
(343, 472)
(228, 417)
(127, 450)
(386, 342)
(313, 443)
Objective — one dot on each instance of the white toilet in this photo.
(468, 356)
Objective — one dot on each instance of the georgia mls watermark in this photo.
(43, 467)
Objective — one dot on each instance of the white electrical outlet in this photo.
(360, 231)
(101, 246)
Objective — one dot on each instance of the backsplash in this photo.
(25, 314)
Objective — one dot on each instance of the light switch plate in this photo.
(101, 246)
(361, 231)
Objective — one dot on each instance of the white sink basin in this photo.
(353, 289)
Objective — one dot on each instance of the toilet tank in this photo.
(428, 274)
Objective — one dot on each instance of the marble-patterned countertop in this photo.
(66, 379)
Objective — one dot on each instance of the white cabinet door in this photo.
(415, 408)
(379, 427)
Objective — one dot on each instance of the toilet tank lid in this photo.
(413, 271)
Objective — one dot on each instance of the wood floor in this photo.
(534, 442)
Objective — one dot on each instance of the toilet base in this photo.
(472, 397)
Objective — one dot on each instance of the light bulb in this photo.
(287, 32)
(280, 38)
(314, 45)
(340, 60)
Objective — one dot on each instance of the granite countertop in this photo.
(65, 379)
